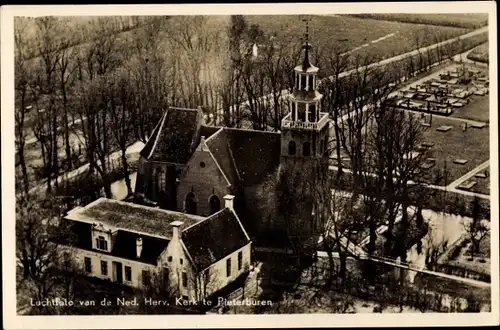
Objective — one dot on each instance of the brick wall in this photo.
(203, 177)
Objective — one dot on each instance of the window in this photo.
(240, 260)
(182, 261)
(184, 279)
(293, 111)
(169, 258)
(146, 277)
(88, 265)
(303, 82)
(160, 180)
(228, 267)
(191, 203)
(128, 273)
(312, 112)
(321, 145)
(104, 267)
(311, 84)
(101, 243)
(292, 148)
(202, 164)
(214, 204)
(306, 149)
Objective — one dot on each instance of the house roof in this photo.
(132, 217)
(124, 246)
(215, 238)
(174, 137)
(246, 155)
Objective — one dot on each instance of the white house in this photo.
(127, 243)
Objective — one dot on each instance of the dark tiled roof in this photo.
(213, 239)
(124, 246)
(132, 216)
(175, 137)
(256, 153)
(219, 147)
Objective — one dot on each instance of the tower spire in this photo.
(306, 64)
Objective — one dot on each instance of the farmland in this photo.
(480, 53)
(331, 34)
(472, 21)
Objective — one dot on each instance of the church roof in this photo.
(175, 137)
(215, 238)
(221, 150)
(246, 156)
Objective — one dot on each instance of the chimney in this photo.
(176, 233)
(138, 245)
(202, 140)
(229, 202)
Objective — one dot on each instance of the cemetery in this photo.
(447, 93)
(455, 144)
(478, 183)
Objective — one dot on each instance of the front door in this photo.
(118, 270)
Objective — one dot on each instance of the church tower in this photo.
(305, 129)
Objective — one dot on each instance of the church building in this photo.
(187, 166)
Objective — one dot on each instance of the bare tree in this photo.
(120, 110)
(22, 95)
(66, 70)
(478, 228)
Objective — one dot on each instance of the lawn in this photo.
(472, 21)
(478, 109)
(480, 53)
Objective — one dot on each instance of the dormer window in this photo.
(101, 243)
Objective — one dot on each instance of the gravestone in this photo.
(428, 145)
(478, 125)
(443, 128)
(467, 185)
(427, 165)
(460, 161)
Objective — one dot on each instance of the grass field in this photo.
(457, 20)
(480, 53)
